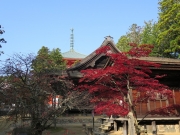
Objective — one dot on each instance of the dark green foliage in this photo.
(48, 61)
(149, 36)
(169, 27)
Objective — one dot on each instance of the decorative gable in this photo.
(93, 60)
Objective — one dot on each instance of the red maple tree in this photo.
(112, 86)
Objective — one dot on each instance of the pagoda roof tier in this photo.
(73, 55)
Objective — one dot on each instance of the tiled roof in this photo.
(73, 54)
(161, 60)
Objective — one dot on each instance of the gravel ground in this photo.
(70, 129)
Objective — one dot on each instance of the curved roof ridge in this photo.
(108, 41)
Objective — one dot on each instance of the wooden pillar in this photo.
(154, 128)
(179, 126)
(115, 126)
(125, 128)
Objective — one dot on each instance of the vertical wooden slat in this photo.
(148, 106)
(140, 108)
(167, 102)
(160, 102)
(174, 97)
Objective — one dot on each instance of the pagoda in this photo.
(71, 57)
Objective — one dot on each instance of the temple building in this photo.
(71, 57)
(152, 123)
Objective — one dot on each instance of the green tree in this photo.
(140, 35)
(42, 59)
(123, 44)
(132, 36)
(149, 33)
(169, 27)
(149, 36)
(48, 60)
(57, 59)
(2, 40)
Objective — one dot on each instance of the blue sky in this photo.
(31, 24)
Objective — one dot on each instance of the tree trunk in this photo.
(131, 124)
(36, 129)
(132, 118)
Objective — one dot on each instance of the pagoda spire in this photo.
(72, 40)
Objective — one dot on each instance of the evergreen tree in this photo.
(132, 36)
(123, 44)
(149, 31)
(169, 26)
(47, 61)
(149, 36)
(57, 59)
